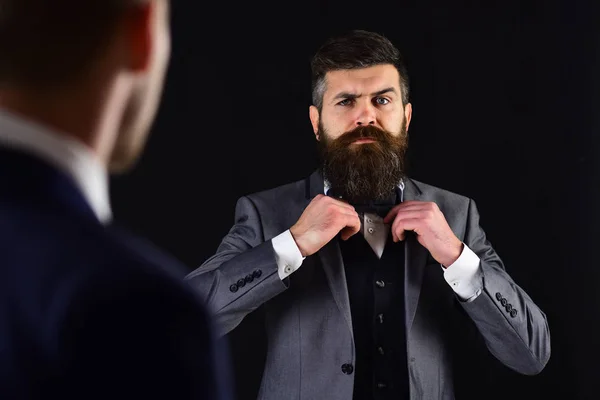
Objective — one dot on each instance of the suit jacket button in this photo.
(347, 369)
(509, 307)
(257, 273)
(241, 283)
(513, 313)
(498, 296)
(233, 288)
(249, 278)
(504, 302)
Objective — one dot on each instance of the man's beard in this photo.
(363, 172)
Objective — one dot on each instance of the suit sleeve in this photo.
(514, 328)
(141, 336)
(242, 275)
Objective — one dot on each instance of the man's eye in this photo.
(381, 101)
(345, 102)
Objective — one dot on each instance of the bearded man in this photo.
(373, 285)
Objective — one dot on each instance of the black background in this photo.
(505, 97)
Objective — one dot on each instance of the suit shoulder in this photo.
(124, 272)
(59, 267)
(114, 246)
(273, 196)
(437, 193)
(68, 247)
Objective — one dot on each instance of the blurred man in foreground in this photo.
(86, 310)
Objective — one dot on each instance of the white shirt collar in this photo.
(65, 153)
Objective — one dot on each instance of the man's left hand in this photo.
(431, 227)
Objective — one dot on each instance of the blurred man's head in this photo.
(360, 114)
(105, 58)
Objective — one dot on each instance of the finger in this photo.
(351, 227)
(412, 202)
(419, 205)
(400, 227)
(391, 215)
(409, 214)
(414, 206)
(400, 223)
(341, 203)
(344, 218)
(347, 233)
(345, 213)
(328, 200)
(353, 222)
(401, 208)
(407, 206)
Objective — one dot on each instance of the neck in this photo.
(80, 114)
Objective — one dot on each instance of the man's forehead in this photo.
(363, 80)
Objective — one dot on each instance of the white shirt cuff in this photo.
(464, 275)
(287, 254)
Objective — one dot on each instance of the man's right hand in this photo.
(321, 221)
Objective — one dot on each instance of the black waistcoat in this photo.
(376, 291)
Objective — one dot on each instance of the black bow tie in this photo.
(381, 207)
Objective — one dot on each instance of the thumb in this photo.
(390, 215)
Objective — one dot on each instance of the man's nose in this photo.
(366, 115)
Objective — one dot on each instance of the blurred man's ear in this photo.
(139, 32)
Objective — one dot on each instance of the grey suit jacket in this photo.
(307, 316)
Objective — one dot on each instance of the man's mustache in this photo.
(363, 132)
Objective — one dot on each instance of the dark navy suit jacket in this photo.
(87, 311)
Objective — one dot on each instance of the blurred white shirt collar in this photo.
(89, 174)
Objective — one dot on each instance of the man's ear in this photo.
(139, 29)
(314, 120)
(408, 114)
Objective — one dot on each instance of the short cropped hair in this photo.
(48, 42)
(353, 50)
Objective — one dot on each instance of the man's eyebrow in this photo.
(346, 95)
(351, 96)
(384, 91)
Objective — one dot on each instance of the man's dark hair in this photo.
(49, 42)
(356, 49)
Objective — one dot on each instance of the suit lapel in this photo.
(414, 261)
(331, 257)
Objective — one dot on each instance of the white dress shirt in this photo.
(463, 276)
(63, 152)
